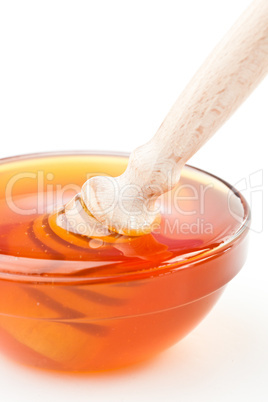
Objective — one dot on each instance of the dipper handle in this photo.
(227, 77)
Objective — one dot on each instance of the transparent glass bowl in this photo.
(89, 306)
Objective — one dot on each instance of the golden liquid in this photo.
(73, 303)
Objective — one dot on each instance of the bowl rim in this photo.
(134, 275)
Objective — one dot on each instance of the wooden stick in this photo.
(126, 204)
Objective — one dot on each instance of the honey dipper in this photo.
(126, 204)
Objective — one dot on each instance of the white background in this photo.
(103, 75)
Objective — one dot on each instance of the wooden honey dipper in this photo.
(126, 204)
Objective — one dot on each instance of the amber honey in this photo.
(69, 302)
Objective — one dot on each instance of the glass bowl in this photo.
(79, 304)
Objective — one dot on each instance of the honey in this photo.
(69, 302)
